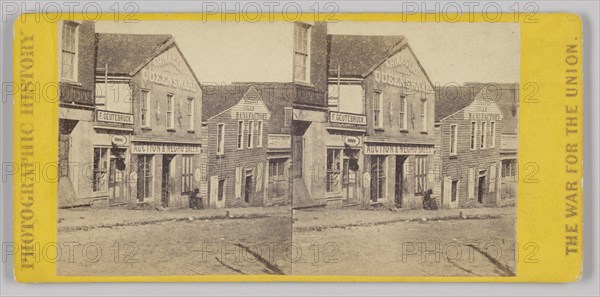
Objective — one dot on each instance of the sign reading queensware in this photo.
(114, 117)
(397, 149)
(165, 148)
(347, 118)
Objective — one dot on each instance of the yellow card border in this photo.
(549, 47)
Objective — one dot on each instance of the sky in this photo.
(230, 52)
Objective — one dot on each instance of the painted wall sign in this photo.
(165, 148)
(483, 109)
(279, 141)
(168, 80)
(402, 70)
(118, 140)
(170, 70)
(114, 117)
(249, 115)
(397, 149)
(352, 141)
(250, 107)
(347, 118)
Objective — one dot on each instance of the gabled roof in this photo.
(355, 54)
(124, 53)
(452, 99)
(215, 103)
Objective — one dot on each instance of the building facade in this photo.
(468, 131)
(76, 50)
(146, 141)
(379, 140)
(237, 137)
(399, 144)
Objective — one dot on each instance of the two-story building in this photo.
(506, 95)
(399, 144)
(236, 129)
(146, 139)
(76, 58)
(468, 129)
(378, 137)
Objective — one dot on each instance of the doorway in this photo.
(349, 176)
(116, 184)
(481, 189)
(399, 181)
(166, 180)
(248, 187)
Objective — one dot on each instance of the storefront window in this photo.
(276, 167)
(508, 168)
(100, 169)
(187, 174)
(333, 170)
(420, 174)
(145, 176)
(377, 178)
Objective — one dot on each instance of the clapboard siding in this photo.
(457, 167)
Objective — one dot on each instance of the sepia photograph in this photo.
(288, 148)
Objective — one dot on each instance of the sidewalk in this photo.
(90, 218)
(323, 218)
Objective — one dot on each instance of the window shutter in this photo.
(471, 183)
(259, 177)
(492, 186)
(238, 182)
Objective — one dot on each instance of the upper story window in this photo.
(170, 112)
(259, 131)
(301, 52)
(190, 114)
(493, 134)
(70, 43)
(346, 98)
(144, 108)
(377, 103)
(403, 117)
(453, 139)
(220, 139)
(240, 135)
(424, 115)
(473, 135)
(287, 116)
(483, 135)
(250, 132)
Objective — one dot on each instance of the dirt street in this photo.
(324, 242)
(476, 246)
